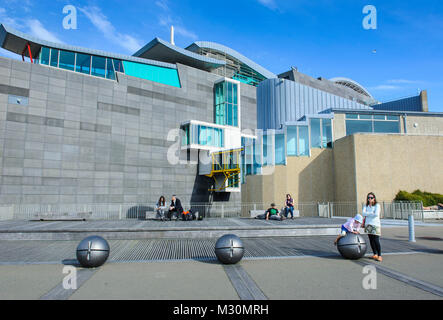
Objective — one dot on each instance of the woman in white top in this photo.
(371, 212)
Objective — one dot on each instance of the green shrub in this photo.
(428, 198)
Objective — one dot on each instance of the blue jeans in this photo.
(291, 210)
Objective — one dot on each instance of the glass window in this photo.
(291, 137)
(67, 60)
(365, 117)
(118, 65)
(202, 135)
(235, 114)
(235, 93)
(303, 141)
(280, 152)
(379, 117)
(44, 55)
(351, 116)
(83, 63)
(392, 118)
(354, 126)
(315, 133)
(109, 69)
(229, 114)
(387, 126)
(185, 139)
(229, 91)
(326, 133)
(54, 57)
(98, 66)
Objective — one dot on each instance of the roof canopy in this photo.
(161, 50)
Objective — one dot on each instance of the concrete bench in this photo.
(255, 213)
(50, 216)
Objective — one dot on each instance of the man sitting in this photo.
(175, 208)
(273, 213)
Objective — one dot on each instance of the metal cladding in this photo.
(352, 246)
(229, 249)
(92, 251)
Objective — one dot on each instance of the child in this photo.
(352, 225)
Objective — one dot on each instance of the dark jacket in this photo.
(178, 205)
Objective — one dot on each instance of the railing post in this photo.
(411, 227)
(222, 210)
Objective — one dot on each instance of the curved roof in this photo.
(161, 50)
(354, 85)
(15, 41)
(219, 47)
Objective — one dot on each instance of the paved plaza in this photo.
(273, 268)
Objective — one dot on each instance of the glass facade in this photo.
(303, 141)
(280, 150)
(67, 60)
(315, 133)
(377, 123)
(326, 129)
(105, 67)
(226, 103)
(202, 135)
(291, 138)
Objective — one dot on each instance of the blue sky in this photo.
(322, 38)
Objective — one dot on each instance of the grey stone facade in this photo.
(72, 138)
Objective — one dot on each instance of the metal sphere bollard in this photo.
(92, 251)
(352, 246)
(229, 249)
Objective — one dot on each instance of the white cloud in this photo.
(404, 81)
(385, 87)
(162, 4)
(166, 20)
(268, 3)
(101, 22)
(37, 30)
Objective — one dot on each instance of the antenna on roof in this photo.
(172, 36)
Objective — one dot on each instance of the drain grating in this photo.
(183, 249)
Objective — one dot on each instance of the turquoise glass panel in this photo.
(280, 152)
(387, 126)
(351, 116)
(67, 60)
(315, 133)
(235, 115)
(54, 57)
(98, 66)
(118, 65)
(44, 56)
(326, 133)
(354, 126)
(379, 117)
(291, 140)
(365, 117)
(392, 118)
(109, 69)
(303, 141)
(153, 73)
(83, 64)
(235, 93)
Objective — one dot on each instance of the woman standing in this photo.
(371, 212)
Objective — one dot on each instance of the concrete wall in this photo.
(424, 125)
(400, 162)
(83, 139)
